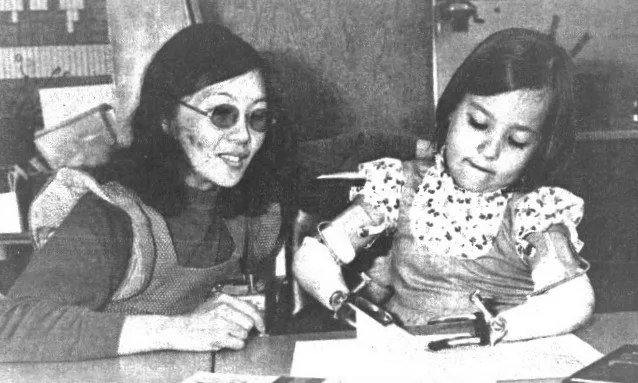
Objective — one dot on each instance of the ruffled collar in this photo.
(449, 220)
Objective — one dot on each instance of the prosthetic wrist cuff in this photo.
(351, 230)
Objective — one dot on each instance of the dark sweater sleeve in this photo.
(52, 312)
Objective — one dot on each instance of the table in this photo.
(273, 355)
(267, 355)
(167, 366)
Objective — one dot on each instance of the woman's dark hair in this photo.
(154, 165)
(514, 59)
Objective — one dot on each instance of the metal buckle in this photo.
(485, 325)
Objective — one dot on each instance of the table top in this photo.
(264, 355)
(166, 366)
(272, 355)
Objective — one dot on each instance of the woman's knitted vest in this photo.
(154, 282)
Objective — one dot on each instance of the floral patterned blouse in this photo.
(448, 242)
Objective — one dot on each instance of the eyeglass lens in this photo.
(225, 116)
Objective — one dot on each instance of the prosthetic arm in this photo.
(317, 263)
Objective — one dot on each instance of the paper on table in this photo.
(374, 335)
(353, 359)
(210, 377)
(541, 358)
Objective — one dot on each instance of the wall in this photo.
(344, 65)
(137, 30)
(45, 37)
(609, 59)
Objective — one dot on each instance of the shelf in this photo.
(15, 238)
(604, 135)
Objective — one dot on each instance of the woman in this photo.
(130, 265)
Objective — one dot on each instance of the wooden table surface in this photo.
(272, 355)
(265, 355)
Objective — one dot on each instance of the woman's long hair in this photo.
(155, 164)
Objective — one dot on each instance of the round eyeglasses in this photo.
(225, 116)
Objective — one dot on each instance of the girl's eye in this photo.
(517, 144)
(475, 124)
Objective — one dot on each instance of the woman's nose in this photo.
(240, 131)
(490, 148)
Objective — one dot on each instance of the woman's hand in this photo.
(221, 322)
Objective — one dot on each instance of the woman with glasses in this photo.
(130, 258)
(131, 263)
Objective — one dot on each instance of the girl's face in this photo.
(221, 147)
(491, 139)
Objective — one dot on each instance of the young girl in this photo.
(479, 215)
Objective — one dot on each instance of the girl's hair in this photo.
(154, 165)
(514, 59)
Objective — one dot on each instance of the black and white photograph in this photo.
(301, 191)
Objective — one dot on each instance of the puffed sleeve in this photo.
(381, 193)
(542, 208)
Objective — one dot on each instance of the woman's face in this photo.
(220, 148)
(492, 138)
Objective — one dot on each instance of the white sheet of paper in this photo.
(373, 335)
(211, 377)
(60, 104)
(363, 359)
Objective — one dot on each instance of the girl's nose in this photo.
(490, 148)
